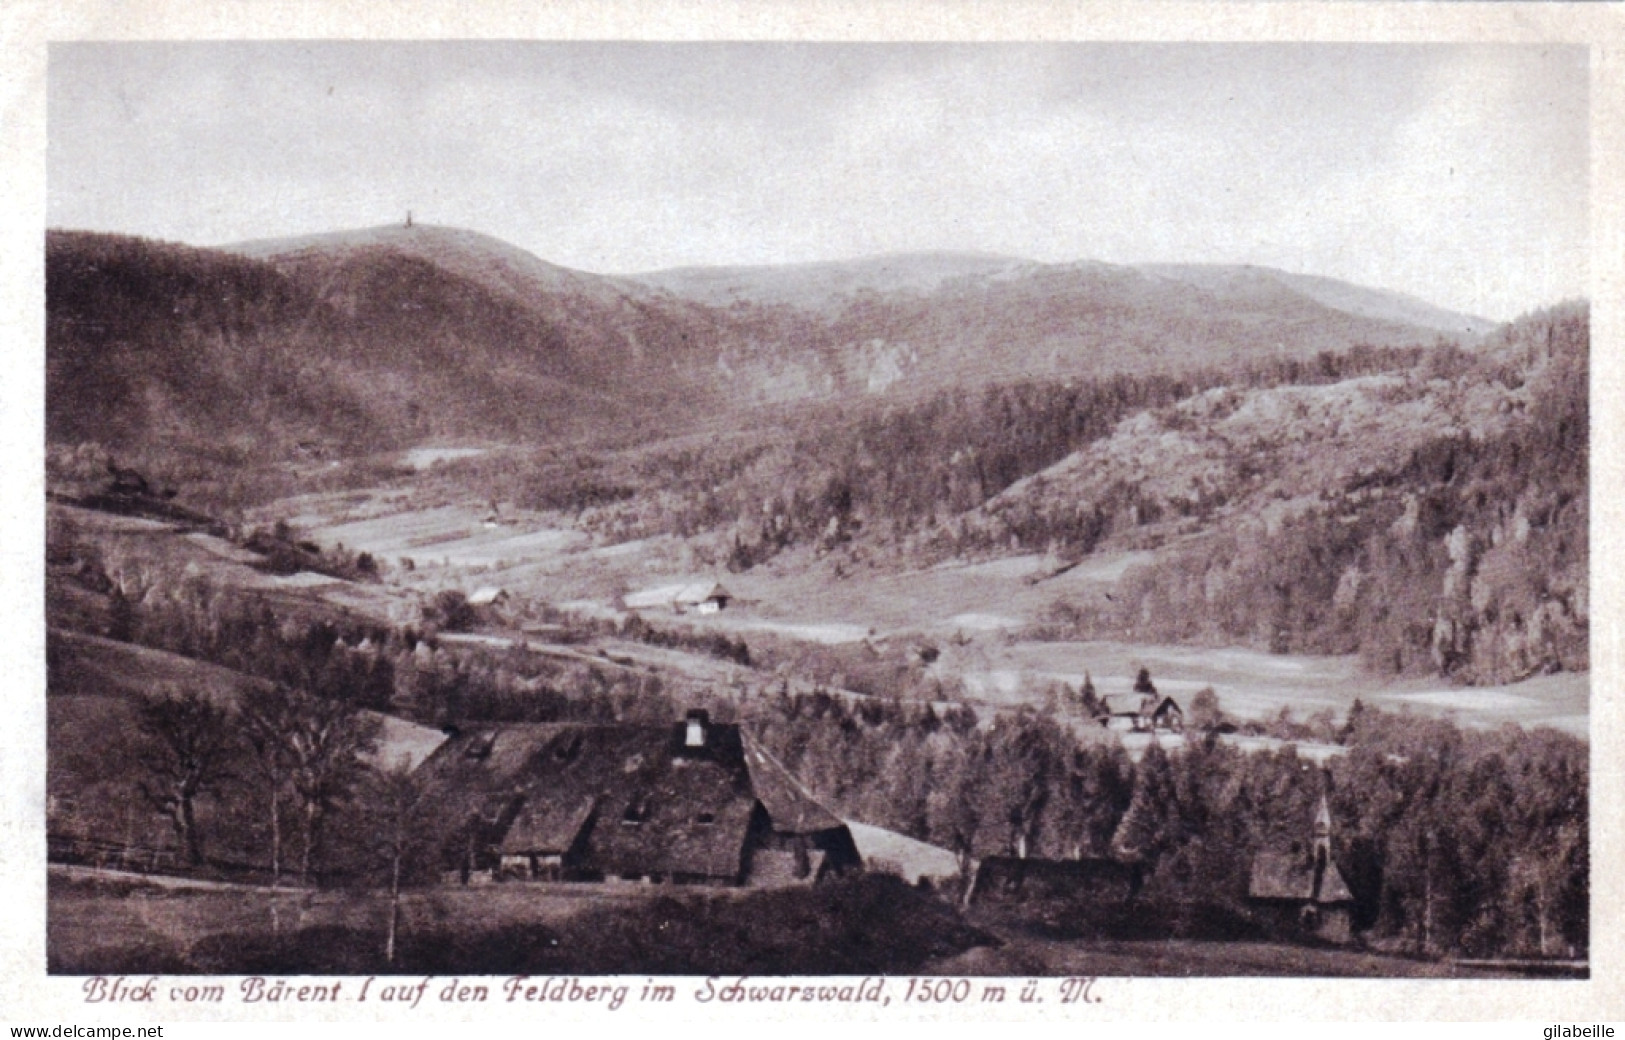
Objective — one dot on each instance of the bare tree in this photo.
(325, 742)
(187, 751)
(395, 804)
(267, 721)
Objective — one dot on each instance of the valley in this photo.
(980, 615)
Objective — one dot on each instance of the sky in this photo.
(1456, 173)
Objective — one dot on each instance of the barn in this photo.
(695, 802)
(1093, 879)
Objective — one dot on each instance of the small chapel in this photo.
(1302, 890)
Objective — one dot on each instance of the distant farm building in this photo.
(1020, 879)
(692, 803)
(1303, 891)
(488, 596)
(1140, 713)
(915, 861)
(487, 603)
(703, 597)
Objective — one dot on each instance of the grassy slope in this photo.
(873, 926)
(1185, 959)
(862, 926)
(97, 680)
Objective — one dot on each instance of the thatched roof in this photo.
(911, 858)
(548, 828)
(699, 592)
(684, 595)
(789, 805)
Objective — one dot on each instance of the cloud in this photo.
(1455, 173)
(1479, 202)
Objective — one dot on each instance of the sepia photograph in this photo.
(1051, 510)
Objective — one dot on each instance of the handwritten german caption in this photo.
(610, 994)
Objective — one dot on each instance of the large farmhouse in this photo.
(696, 803)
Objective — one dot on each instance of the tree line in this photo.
(282, 755)
(1452, 840)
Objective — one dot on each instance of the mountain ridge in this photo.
(1364, 301)
(927, 271)
(389, 336)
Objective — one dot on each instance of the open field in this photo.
(166, 554)
(88, 913)
(974, 613)
(452, 535)
(130, 924)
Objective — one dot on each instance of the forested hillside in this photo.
(1425, 507)
(1433, 521)
(360, 349)
(904, 468)
(1449, 839)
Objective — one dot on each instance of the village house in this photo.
(1140, 713)
(692, 803)
(1301, 890)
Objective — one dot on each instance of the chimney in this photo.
(698, 721)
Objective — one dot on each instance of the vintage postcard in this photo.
(1070, 517)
